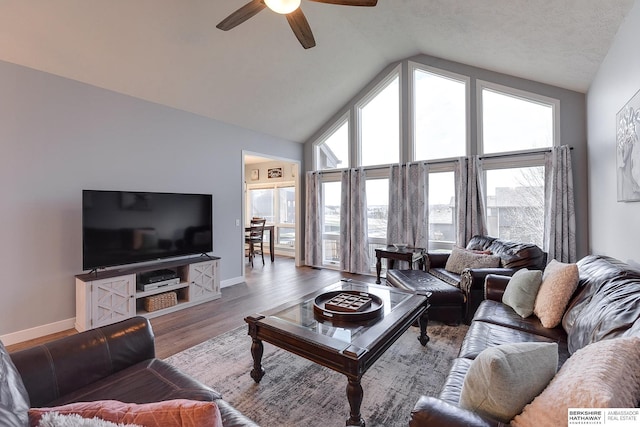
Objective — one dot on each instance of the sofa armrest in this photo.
(494, 286)
(54, 369)
(435, 260)
(472, 279)
(433, 412)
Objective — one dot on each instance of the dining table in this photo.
(270, 229)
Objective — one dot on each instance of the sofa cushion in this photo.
(463, 258)
(512, 254)
(522, 290)
(171, 413)
(503, 379)
(145, 382)
(14, 400)
(603, 374)
(501, 314)
(559, 281)
(483, 335)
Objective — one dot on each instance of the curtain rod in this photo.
(449, 160)
(521, 153)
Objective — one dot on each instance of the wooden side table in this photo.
(391, 253)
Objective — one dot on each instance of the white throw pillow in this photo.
(521, 291)
(503, 379)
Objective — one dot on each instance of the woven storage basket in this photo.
(160, 301)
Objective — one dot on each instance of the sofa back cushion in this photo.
(512, 254)
(606, 303)
(56, 368)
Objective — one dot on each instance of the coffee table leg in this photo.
(257, 349)
(422, 322)
(354, 395)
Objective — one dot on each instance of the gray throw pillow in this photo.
(502, 380)
(464, 258)
(522, 290)
(14, 400)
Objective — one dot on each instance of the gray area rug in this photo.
(295, 392)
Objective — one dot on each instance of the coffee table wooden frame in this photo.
(352, 360)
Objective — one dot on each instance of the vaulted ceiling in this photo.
(259, 77)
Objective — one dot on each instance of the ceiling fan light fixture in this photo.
(282, 6)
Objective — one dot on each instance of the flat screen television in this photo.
(126, 227)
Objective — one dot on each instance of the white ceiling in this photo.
(258, 76)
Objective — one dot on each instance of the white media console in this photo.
(109, 296)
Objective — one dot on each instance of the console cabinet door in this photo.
(113, 300)
(203, 280)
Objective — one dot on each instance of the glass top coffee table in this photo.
(348, 342)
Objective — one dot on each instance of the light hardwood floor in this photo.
(264, 288)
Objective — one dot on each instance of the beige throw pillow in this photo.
(463, 258)
(521, 291)
(605, 374)
(559, 281)
(503, 379)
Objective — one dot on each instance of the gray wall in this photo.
(58, 137)
(572, 118)
(614, 226)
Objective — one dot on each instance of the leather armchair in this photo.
(513, 256)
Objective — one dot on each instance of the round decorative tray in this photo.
(348, 306)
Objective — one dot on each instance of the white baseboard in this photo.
(37, 332)
(231, 282)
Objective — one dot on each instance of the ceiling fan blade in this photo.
(241, 15)
(301, 28)
(349, 2)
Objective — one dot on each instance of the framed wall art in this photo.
(628, 150)
(274, 173)
(255, 174)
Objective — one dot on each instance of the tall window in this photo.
(377, 215)
(515, 120)
(515, 204)
(439, 114)
(442, 210)
(380, 125)
(331, 223)
(333, 151)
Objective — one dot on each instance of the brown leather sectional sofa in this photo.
(605, 305)
(115, 362)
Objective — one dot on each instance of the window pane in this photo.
(287, 202)
(380, 126)
(286, 236)
(442, 196)
(377, 213)
(331, 225)
(261, 201)
(515, 204)
(334, 151)
(440, 116)
(510, 123)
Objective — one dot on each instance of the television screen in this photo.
(121, 227)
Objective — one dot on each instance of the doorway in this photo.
(272, 191)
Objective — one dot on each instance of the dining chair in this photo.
(255, 237)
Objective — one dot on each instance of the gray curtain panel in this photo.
(354, 239)
(313, 220)
(559, 219)
(470, 200)
(408, 216)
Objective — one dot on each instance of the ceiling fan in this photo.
(291, 8)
